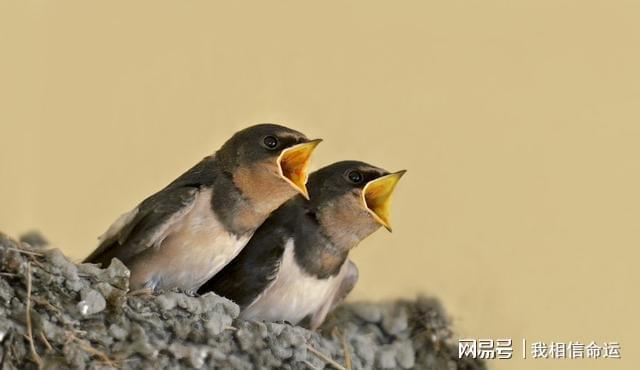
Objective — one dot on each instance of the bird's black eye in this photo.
(355, 177)
(271, 142)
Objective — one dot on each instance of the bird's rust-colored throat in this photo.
(376, 196)
(293, 163)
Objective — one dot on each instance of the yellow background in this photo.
(519, 123)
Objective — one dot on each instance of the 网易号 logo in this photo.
(502, 349)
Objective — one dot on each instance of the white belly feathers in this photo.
(293, 294)
(194, 250)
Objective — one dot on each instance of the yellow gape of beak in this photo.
(377, 197)
(293, 163)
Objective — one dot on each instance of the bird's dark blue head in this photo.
(353, 192)
(267, 156)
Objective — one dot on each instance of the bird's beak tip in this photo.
(305, 193)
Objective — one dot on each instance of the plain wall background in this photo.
(519, 123)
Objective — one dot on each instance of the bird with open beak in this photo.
(296, 264)
(184, 234)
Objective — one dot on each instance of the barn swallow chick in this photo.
(184, 234)
(295, 266)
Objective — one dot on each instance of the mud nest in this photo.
(55, 314)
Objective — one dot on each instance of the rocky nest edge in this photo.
(55, 314)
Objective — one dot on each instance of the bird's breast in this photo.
(194, 250)
(293, 294)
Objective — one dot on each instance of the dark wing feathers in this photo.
(153, 217)
(147, 228)
(255, 267)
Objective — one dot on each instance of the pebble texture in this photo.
(84, 317)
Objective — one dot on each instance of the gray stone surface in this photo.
(84, 317)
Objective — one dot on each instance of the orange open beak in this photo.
(293, 163)
(376, 196)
